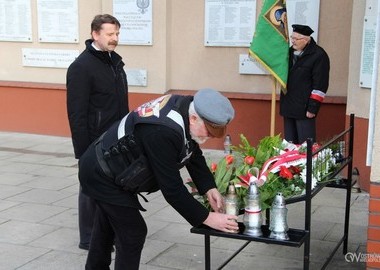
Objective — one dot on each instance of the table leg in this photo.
(207, 253)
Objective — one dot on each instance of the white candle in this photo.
(231, 209)
(254, 219)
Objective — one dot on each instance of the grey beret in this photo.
(212, 106)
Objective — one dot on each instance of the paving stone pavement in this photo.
(38, 219)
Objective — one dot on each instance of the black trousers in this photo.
(125, 226)
(86, 214)
(297, 131)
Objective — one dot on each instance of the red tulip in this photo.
(249, 160)
(213, 167)
(229, 159)
(285, 172)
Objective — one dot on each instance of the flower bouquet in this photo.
(274, 164)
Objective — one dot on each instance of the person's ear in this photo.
(193, 119)
(95, 35)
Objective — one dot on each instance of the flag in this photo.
(270, 43)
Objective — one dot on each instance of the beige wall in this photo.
(194, 65)
(358, 99)
(155, 59)
(334, 34)
(178, 59)
(11, 56)
(375, 170)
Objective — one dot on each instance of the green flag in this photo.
(270, 43)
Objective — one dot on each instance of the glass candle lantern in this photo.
(231, 202)
(278, 218)
(252, 215)
(227, 144)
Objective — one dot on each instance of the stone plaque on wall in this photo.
(135, 17)
(48, 57)
(368, 44)
(58, 21)
(229, 23)
(15, 20)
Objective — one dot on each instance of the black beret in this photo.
(302, 29)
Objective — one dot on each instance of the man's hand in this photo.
(216, 200)
(222, 222)
(310, 115)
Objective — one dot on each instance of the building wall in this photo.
(358, 98)
(373, 245)
(41, 108)
(178, 58)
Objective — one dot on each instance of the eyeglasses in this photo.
(295, 38)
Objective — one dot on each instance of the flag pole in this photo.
(273, 107)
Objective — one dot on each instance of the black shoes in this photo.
(84, 246)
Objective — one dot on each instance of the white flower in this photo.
(322, 163)
(321, 166)
(313, 179)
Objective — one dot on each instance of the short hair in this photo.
(99, 20)
(192, 111)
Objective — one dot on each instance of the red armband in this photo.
(317, 95)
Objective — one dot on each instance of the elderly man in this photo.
(308, 81)
(144, 152)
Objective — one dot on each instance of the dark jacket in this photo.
(163, 146)
(97, 95)
(310, 72)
